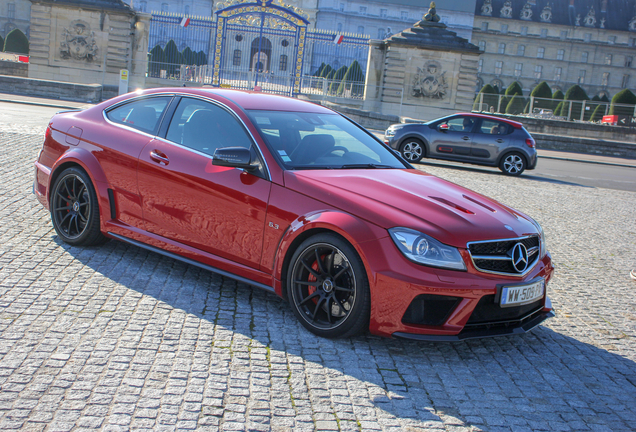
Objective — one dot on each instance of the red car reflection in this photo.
(296, 199)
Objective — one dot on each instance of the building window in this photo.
(544, 33)
(625, 82)
(143, 6)
(632, 42)
(383, 13)
(564, 34)
(628, 61)
(236, 58)
(502, 48)
(381, 33)
(524, 30)
(404, 15)
(538, 70)
(164, 7)
(560, 54)
(557, 74)
(341, 6)
(482, 45)
(504, 28)
(186, 10)
(518, 69)
(484, 26)
(611, 40)
(282, 65)
(587, 37)
(608, 59)
(11, 11)
(498, 66)
(584, 56)
(541, 52)
(339, 27)
(360, 29)
(581, 76)
(363, 10)
(605, 79)
(480, 67)
(521, 50)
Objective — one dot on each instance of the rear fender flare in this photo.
(350, 228)
(87, 161)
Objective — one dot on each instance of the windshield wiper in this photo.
(370, 165)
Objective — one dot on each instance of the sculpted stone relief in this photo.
(526, 12)
(546, 14)
(486, 8)
(430, 81)
(78, 42)
(506, 10)
(590, 18)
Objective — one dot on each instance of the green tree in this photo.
(354, 78)
(157, 61)
(513, 99)
(489, 100)
(604, 98)
(542, 94)
(557, 96)
(188, 56)
(575, 93)
(16, 42)
(337, 77)
(598, 113)
(327, 71)
(173, 57)
(320, 69)
(625, 97)
(200, 58)
(516, 105)
(1, 44)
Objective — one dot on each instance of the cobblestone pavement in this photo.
(118, 338)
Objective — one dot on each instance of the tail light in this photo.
(47, 133)
(530, 142)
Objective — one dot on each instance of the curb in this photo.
(588, 161)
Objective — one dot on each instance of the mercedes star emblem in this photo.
(520, 257)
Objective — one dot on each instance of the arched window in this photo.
(282, 65)
(236, 58)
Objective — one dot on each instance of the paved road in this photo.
(118, 338)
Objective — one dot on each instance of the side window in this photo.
(492, 127)
(142, 114)
(461, 124)
(204, 126)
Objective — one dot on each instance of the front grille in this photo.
(430, 309)
(489, 312)
(495, 256)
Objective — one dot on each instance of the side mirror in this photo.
(234, 157)
(444, 127)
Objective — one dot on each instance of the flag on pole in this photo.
(337, 39)
(185, 22)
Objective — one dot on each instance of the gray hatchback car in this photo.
(466, 137)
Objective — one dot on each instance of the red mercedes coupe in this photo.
(296, 199)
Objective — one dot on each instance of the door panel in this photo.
(491, 137)
(454, 141)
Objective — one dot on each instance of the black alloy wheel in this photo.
(328, 287)
(513, 164)
(412, 150)
(74, 209)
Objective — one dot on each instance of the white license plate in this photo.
(522, 294)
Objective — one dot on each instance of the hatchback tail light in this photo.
(530, 142)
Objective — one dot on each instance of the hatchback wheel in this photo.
(412, 150)
(512, 164)
(74, 209)
(328, 287)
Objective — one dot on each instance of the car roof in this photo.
(516, 124)
(249, 100)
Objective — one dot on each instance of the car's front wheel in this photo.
(412, 150)
(513, 164)
(328, 287)
(74, 209)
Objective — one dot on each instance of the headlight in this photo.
(542, 243)
(389, 133)
(424, 249)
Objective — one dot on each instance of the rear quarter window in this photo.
(142, 114)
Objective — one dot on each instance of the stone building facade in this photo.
(586, 42)
(15, 14)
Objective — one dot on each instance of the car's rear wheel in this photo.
(513, 164)
(328, 287)
(413, 150)
(74, 209)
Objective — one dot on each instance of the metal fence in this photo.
(555, 109)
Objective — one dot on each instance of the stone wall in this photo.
(14, 68)
(84, 45)
(51, 89)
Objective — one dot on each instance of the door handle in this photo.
(500, 140)
(159, 157)
(465, 138)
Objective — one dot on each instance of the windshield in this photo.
(320, 141)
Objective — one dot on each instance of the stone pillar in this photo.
(423, 72)
(88, 42)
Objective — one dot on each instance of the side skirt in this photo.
(191, 262)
